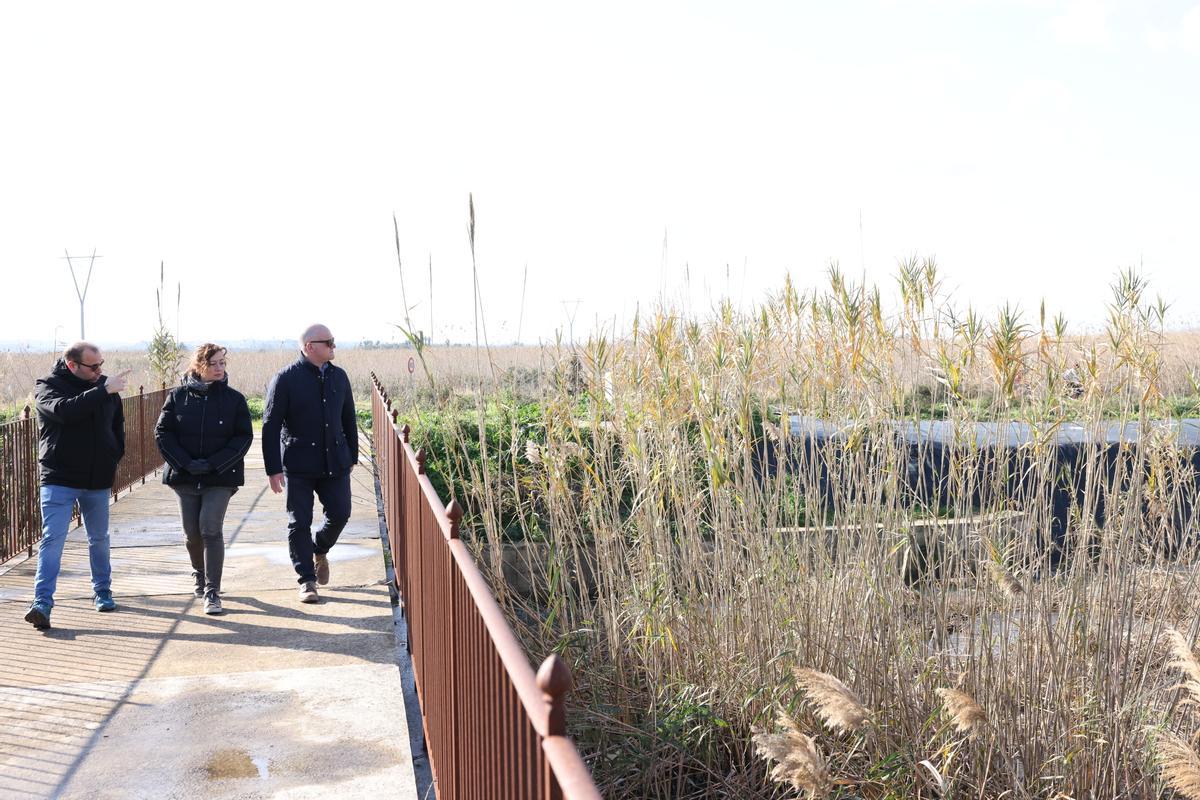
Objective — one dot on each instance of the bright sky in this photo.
(260, 150)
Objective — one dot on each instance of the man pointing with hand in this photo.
(81, 440)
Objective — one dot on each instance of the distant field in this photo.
(452, 368)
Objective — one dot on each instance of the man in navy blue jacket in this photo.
(310, 444)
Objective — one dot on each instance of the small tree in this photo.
(165, 352)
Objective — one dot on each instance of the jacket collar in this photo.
(192, 381)
(63, 372)
(313, 368)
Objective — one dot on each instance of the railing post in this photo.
(33, 534)
(454, 513)
(142, 432)
(554, 679)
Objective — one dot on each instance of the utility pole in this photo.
(88, 282)
(571, 315)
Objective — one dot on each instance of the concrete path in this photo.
(157, 700)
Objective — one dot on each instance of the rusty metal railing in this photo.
(492, 728)
(20, 514)
(142, 457)
(20, 511)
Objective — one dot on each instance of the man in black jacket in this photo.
(81, 440)
(310, 444)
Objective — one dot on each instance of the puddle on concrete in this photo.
(226, 764)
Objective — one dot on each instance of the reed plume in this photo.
(1180, 765)
(835, 702)
(1003, 578)
(797, 759)
(965, 714)
(1184, 660)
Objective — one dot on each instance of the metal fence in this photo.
(492, 728)
(141, 452)
(20, 511)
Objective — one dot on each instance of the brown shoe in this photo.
(308, 593)
(321, 562)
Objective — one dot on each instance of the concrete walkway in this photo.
(157, 700)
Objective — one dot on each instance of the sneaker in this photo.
(198, 580)
(38, 615)
(104, 601)
(321, 562)
(212, 602)
(308, 593)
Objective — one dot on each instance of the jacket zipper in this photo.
(203, 417)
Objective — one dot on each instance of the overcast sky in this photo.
(260, 150)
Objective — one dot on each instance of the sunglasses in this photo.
(326, 342)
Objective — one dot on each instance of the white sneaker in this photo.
(212, 603)
(308, 593)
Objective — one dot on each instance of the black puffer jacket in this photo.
(209, 422)
(81, 430)
(309, 427)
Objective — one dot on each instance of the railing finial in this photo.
(421, 461)
(396, 418)
(554, 679)
(141, 389)
(405, 431)
(454, 513)
(25, 413)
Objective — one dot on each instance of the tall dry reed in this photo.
(687, 548)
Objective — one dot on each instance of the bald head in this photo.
(317, 344)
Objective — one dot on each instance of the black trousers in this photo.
(334, 494)
(202, 512)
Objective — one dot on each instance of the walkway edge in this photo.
(412, 704)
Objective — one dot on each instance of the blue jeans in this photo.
(57, 502)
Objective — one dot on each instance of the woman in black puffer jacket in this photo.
(203, 433)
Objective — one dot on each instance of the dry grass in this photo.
(457, 368)
(685, 582)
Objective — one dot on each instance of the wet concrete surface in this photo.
(273, 699)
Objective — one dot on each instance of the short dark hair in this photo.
(75, 352)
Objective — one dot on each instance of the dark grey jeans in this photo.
(203, 515)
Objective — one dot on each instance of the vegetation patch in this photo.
(822, 623)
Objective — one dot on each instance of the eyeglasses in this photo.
(327, 342)
(93, 367)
